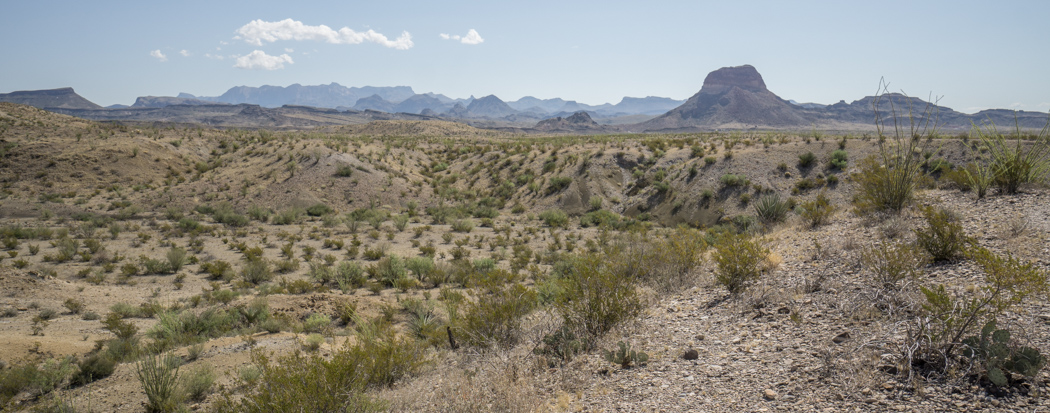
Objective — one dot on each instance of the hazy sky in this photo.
(975, 54)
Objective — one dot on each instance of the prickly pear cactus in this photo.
(994, 351)
(624, 356)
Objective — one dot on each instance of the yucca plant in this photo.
(771, 208)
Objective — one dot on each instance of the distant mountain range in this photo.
(730, 98)
(737, 98)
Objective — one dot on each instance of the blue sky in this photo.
(975, 54)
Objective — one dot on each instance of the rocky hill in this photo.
(64, 98)
(490, 106)
(162, 101)
(578, 122)
(731, 97)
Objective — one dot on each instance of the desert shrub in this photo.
(186, 327)
(317, 210)
(349, 275)
(739, 261)
(230, 218)
(344, 171)
(154, 266)
(259, 213)
(893, 263)
(557, 184)
(601, 218)
(595, 297)
(389, 270)
(421, 267)
(304, 381)
(624, 356)
(962, 323)
(15, 379)
(839, 160)
(733, 180)
(287, 217)
(321, 273)
(197, 383)
(806, 160)
(771, 208)
(943, 237)
(494, 318)
(159, 376)
(217, 270)
(74, 305)
(555, 218)
(93, 367)
(316, 323)
(400, 222)
(462, 225)
(176, 258)
(257, 271)
(1018, 163)
(818, 211)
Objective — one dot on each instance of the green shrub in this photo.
(816, 212)
(555, 218)
(176, 258)
(806, 160)
(601, 218)
(257, 271)
(389, 270)
(951, 322)
(197, 383)
(943, 237)
(259, 213)
(839, 160)
(739, 261)
(421, 267)
(305, 381)
(158, 376)
(93, 367)
(596, 298)
(217, 270)
(462, 225)
(317, 210)
(186, 327)
(316, 323)
(771, 208)
(321, 273)
(349, 275)
(494, 318)
(733, 180)
(893, 263)
(344, 171)
(288, 216)
(74, 305)
(557, 184)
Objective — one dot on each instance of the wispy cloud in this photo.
(214, 56)
(258, 31)
(472, 37)
(258, 59)
(158, 55)
(184, 53)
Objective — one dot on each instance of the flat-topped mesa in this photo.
(723, 80)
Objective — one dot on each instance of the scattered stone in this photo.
(769, 394)
(691, 354)
(841, 338)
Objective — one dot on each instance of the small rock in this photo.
(866, 391)
(691, 354)
(841, 338)
(769, 394)
(700, 337)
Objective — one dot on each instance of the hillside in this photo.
(533, 252)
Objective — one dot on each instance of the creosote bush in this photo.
(893, 263)
(943, 237)
(739, 261)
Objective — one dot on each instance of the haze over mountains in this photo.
(730, 98)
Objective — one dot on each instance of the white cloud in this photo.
(260, 60)
(472, 37)
(213, 56)
(289, 50)
(258, 31)
(160, 56)
(184, 53)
